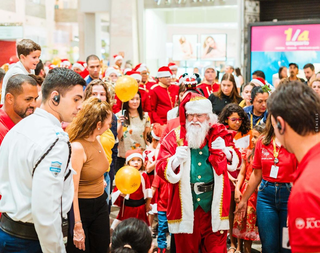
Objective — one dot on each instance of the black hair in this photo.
(260, 129)
(126, 108)
(235, 108)
(255, 91)
(38, 79)
(39, 68)
(92, 57)
(14, 84)
(131, 236)
(298, 105)
(259, 73)
(294, 64)
(2, 74)
(279, 72)
(309, 65)
(238, 71)
(198, 78)
(61, 80)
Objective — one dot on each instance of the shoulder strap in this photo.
(48, 151)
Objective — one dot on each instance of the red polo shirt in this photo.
(5, 124)
(304, 204)
(162, 187)
(263, 160)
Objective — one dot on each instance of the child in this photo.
(245, 229)
(137, 204)
(162, 187)
(150, 155)
(28, 52)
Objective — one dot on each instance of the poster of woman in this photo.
(184, 47)
(213, 47)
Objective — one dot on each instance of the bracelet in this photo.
(79, 221)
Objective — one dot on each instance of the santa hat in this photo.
(164, 72)
(258, 81)
(126, 70)
(192, 103)
(172, 66)
(156, 131)
(140, 67)
(117, 57)
(190, 82)
(133, 153)
(12, 61)
(65, 63)
(110, 71)
(136, 75)
(52, 66)
(79, 64)
(209, 67)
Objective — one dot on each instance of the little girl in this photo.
(137, 204)
(245, 229)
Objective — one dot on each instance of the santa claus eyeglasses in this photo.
(198, 116)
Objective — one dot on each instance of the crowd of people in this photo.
(219, 159)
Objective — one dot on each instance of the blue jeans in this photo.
(107, 189)
(9, 243)
(272, 209)
(162, 230)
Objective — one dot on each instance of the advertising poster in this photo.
(184, 47)
(278, 45)
(213, 47)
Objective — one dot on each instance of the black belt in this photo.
(202, 187)
(134, 203)
(19, 229)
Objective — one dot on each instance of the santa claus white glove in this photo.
(180, 156)
(219, 143)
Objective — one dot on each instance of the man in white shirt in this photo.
(35, 175)
(28, 52)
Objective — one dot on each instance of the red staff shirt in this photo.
(264, 159)
(5, 124)
(304, 204)
(208, 89)
(162, 187)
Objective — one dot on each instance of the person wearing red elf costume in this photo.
(194, 159)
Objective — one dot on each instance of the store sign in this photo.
(286, 38)
(11, 32)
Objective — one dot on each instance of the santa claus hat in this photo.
(209, 67)
(172, 66)
(52, 66)
(156, 131)
(110, 71)
(79, 64)
(65, 63)
(258, 81)
(126, 70)
(133, 153)
(135, 74)
(141, 67)
(164, 72)
(190, 82)
(192, 103)
(117, 57)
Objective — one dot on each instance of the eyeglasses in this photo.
(235, 119)
(198, 116)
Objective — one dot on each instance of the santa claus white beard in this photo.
(196, 133)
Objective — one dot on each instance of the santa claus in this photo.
(194, 159)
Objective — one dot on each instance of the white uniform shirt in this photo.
(18, 68)
(37, 199)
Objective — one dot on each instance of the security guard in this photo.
(35, 175)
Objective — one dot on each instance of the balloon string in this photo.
(122, 207)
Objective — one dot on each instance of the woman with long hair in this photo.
(246, 94)
(273, 168)
(227, 94)
(91, 212)
(133, 127)
(282, 73)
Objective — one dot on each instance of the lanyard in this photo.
(275, 152)
(251, 121)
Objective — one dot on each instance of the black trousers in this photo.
(120, 162)
(96, 225)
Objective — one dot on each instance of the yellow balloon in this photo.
(128, 179)
(126, 88)
(56, 61)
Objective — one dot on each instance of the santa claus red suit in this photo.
(194, 159)
(208, 88)
(163, 97)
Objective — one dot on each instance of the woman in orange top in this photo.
(234, 117)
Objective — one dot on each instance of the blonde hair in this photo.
(83, 125)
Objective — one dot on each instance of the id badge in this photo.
(285, 238)
(274, 171)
